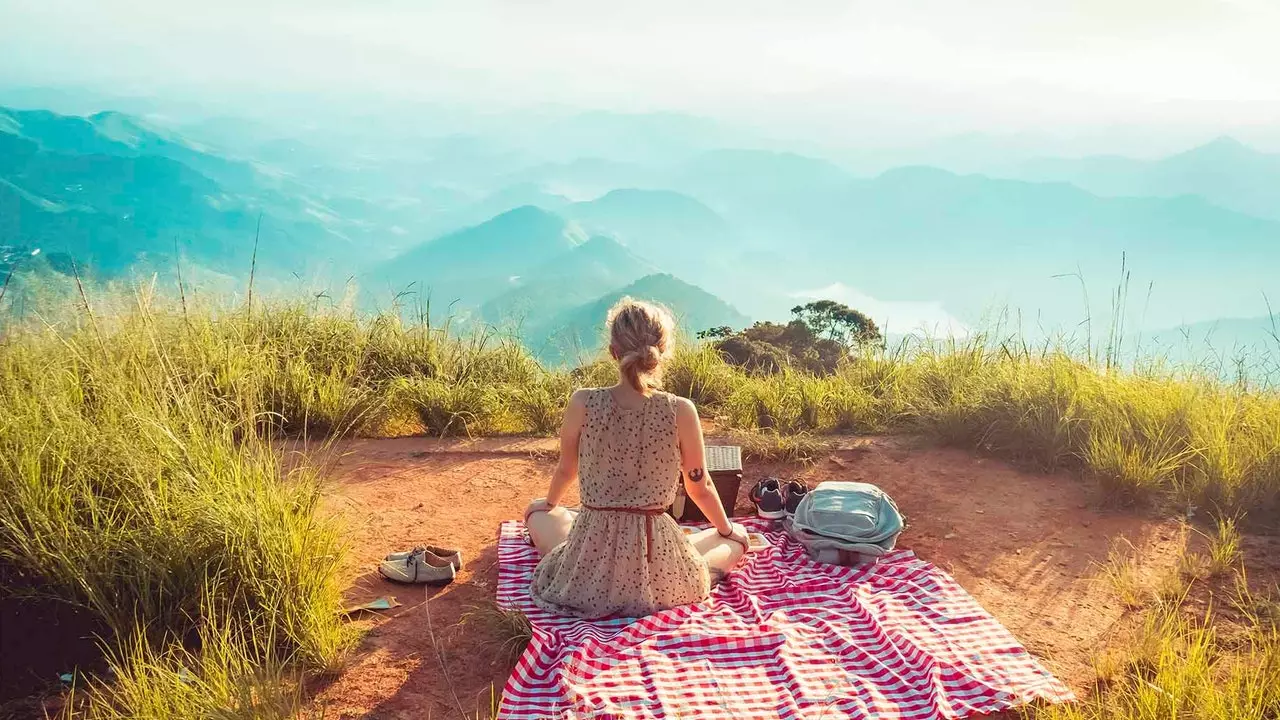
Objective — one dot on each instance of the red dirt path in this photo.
(1028, 546)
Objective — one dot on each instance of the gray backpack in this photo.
(846, 521)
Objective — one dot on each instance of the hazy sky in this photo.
(906, 66)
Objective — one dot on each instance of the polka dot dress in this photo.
(607, 566)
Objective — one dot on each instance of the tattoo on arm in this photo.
(696, 475)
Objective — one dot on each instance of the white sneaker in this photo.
(418, 567)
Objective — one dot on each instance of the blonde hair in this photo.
(641, 339)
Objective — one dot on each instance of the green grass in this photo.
(1193, 441)
(1181, 668)
(769, 446)
(1219, 661)
(1184, 665)
(140, 478)
(1120, 571)
(230, 677)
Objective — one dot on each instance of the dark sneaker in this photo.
(767, 496)
(793, 493)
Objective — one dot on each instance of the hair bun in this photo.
(640, 338)
(651, 356)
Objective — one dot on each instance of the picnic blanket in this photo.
(781, 637)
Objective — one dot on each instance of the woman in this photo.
(620, 554)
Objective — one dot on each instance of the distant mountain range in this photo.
(1226, 172)
(576, 276)
(472, 266)
(537, 229)
(577, 334)
(1254, 335)
(114, 195)
(537, 274)
(755, 226)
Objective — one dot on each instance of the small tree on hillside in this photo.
(817, 339)
(838, 322)
(715, 333)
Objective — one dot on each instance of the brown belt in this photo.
(650, 514)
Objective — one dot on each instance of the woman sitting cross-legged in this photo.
(620, 554)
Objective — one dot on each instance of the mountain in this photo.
(578, 333)
(677, 231)
(588, 177)
(471, 266)
(574, 277)
(745, 174)
(1224, 171)
(303, 192)
(461, 212)
(117, 134)
(1223, 336)
(974, 242)
(110, 212)
(768, 197)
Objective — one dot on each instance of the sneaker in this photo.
(767, 496)
(794, 492)
(419, 566)
(453, 557)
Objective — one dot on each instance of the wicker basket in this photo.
(724, 465)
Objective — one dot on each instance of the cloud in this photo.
(898, 317)
(1016, 62)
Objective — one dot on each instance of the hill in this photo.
(574, 277)
(474, 265)
(112, 193)
(1224, 171)
(578, 333)
(111, 212)
(677, 231)
(118, 134)
(1232, 344)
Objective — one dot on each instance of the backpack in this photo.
(846, 521)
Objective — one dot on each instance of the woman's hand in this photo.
(539, 505)
(738, 534)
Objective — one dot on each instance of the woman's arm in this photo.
(566, 473)
(697, 481)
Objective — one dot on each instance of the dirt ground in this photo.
(1029, 546)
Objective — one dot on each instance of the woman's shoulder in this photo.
(676, 401)
(585, 395)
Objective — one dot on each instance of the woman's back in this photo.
(624, 555)
(626, 446)
(629, 457)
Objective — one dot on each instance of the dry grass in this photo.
(770, 446)
(1181, 666)
(1120, 571)
(507, 631)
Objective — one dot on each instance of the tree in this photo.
(818, 338)
(757, 358)
(715, 333)
(837, 322)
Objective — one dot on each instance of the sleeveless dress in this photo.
(622, 557)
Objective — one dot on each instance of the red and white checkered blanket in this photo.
(781, 637)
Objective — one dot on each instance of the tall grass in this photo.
(1179, 668)
(1193, 440)
(138, 480)
(1212, 664)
